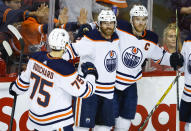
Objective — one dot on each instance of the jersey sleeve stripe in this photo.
(104, 92)
(187, 90)
(50, 123)
(187, 85)
(23, 81)
(126, 75)
(21, 85)
(21, 89)
(105, 88)
(73, 50)
(128, 80)
(125, 84)
(50, 113)
(101, 83)
(186, 94)
(50, 118)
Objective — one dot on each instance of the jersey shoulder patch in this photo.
(125, 26)
(95, 35)
(188, 37)
(151, 36)
(61, 66)
(58, 65)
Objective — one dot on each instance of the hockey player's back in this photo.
(52, 81)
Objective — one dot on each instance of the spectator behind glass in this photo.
(169, 44)
(74, 7)
(34, 30)
(169, 38)
(33, 5)
(10, 13)
(184, 16)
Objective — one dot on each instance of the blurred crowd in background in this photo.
(33, 20)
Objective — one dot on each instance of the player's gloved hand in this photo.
(89, 68)
(176, 60)
(13, 93)
(83, 29)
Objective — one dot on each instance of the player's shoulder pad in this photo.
(124, 25)
(61, 66)
(188, 38)
(95, 35)
(38, 55)
(151, 36)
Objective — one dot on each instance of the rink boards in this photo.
(150, 89)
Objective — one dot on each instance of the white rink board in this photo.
(150, 89)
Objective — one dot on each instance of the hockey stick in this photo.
(158, 103)
(22, 44)
(177, 74)
(6, 48)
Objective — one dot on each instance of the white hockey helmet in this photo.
(106, 15)
(58, 38)
(138, 10)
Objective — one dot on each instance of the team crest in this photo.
(110, 61)
(189, 64)
(132, 57)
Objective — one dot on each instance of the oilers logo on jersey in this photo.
(189, 64)
(110, 61)
(132, 57)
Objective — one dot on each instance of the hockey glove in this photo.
(82, 31)
(13, 93)
(176, 60)
(89, 68)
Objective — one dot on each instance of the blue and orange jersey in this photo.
(186, 52)
(52, 82)
(103, 53)
(133, 51)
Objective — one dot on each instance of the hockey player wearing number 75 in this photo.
(136, 44)
(51, 82)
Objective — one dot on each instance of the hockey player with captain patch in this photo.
(136, 44)
(52, 81)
